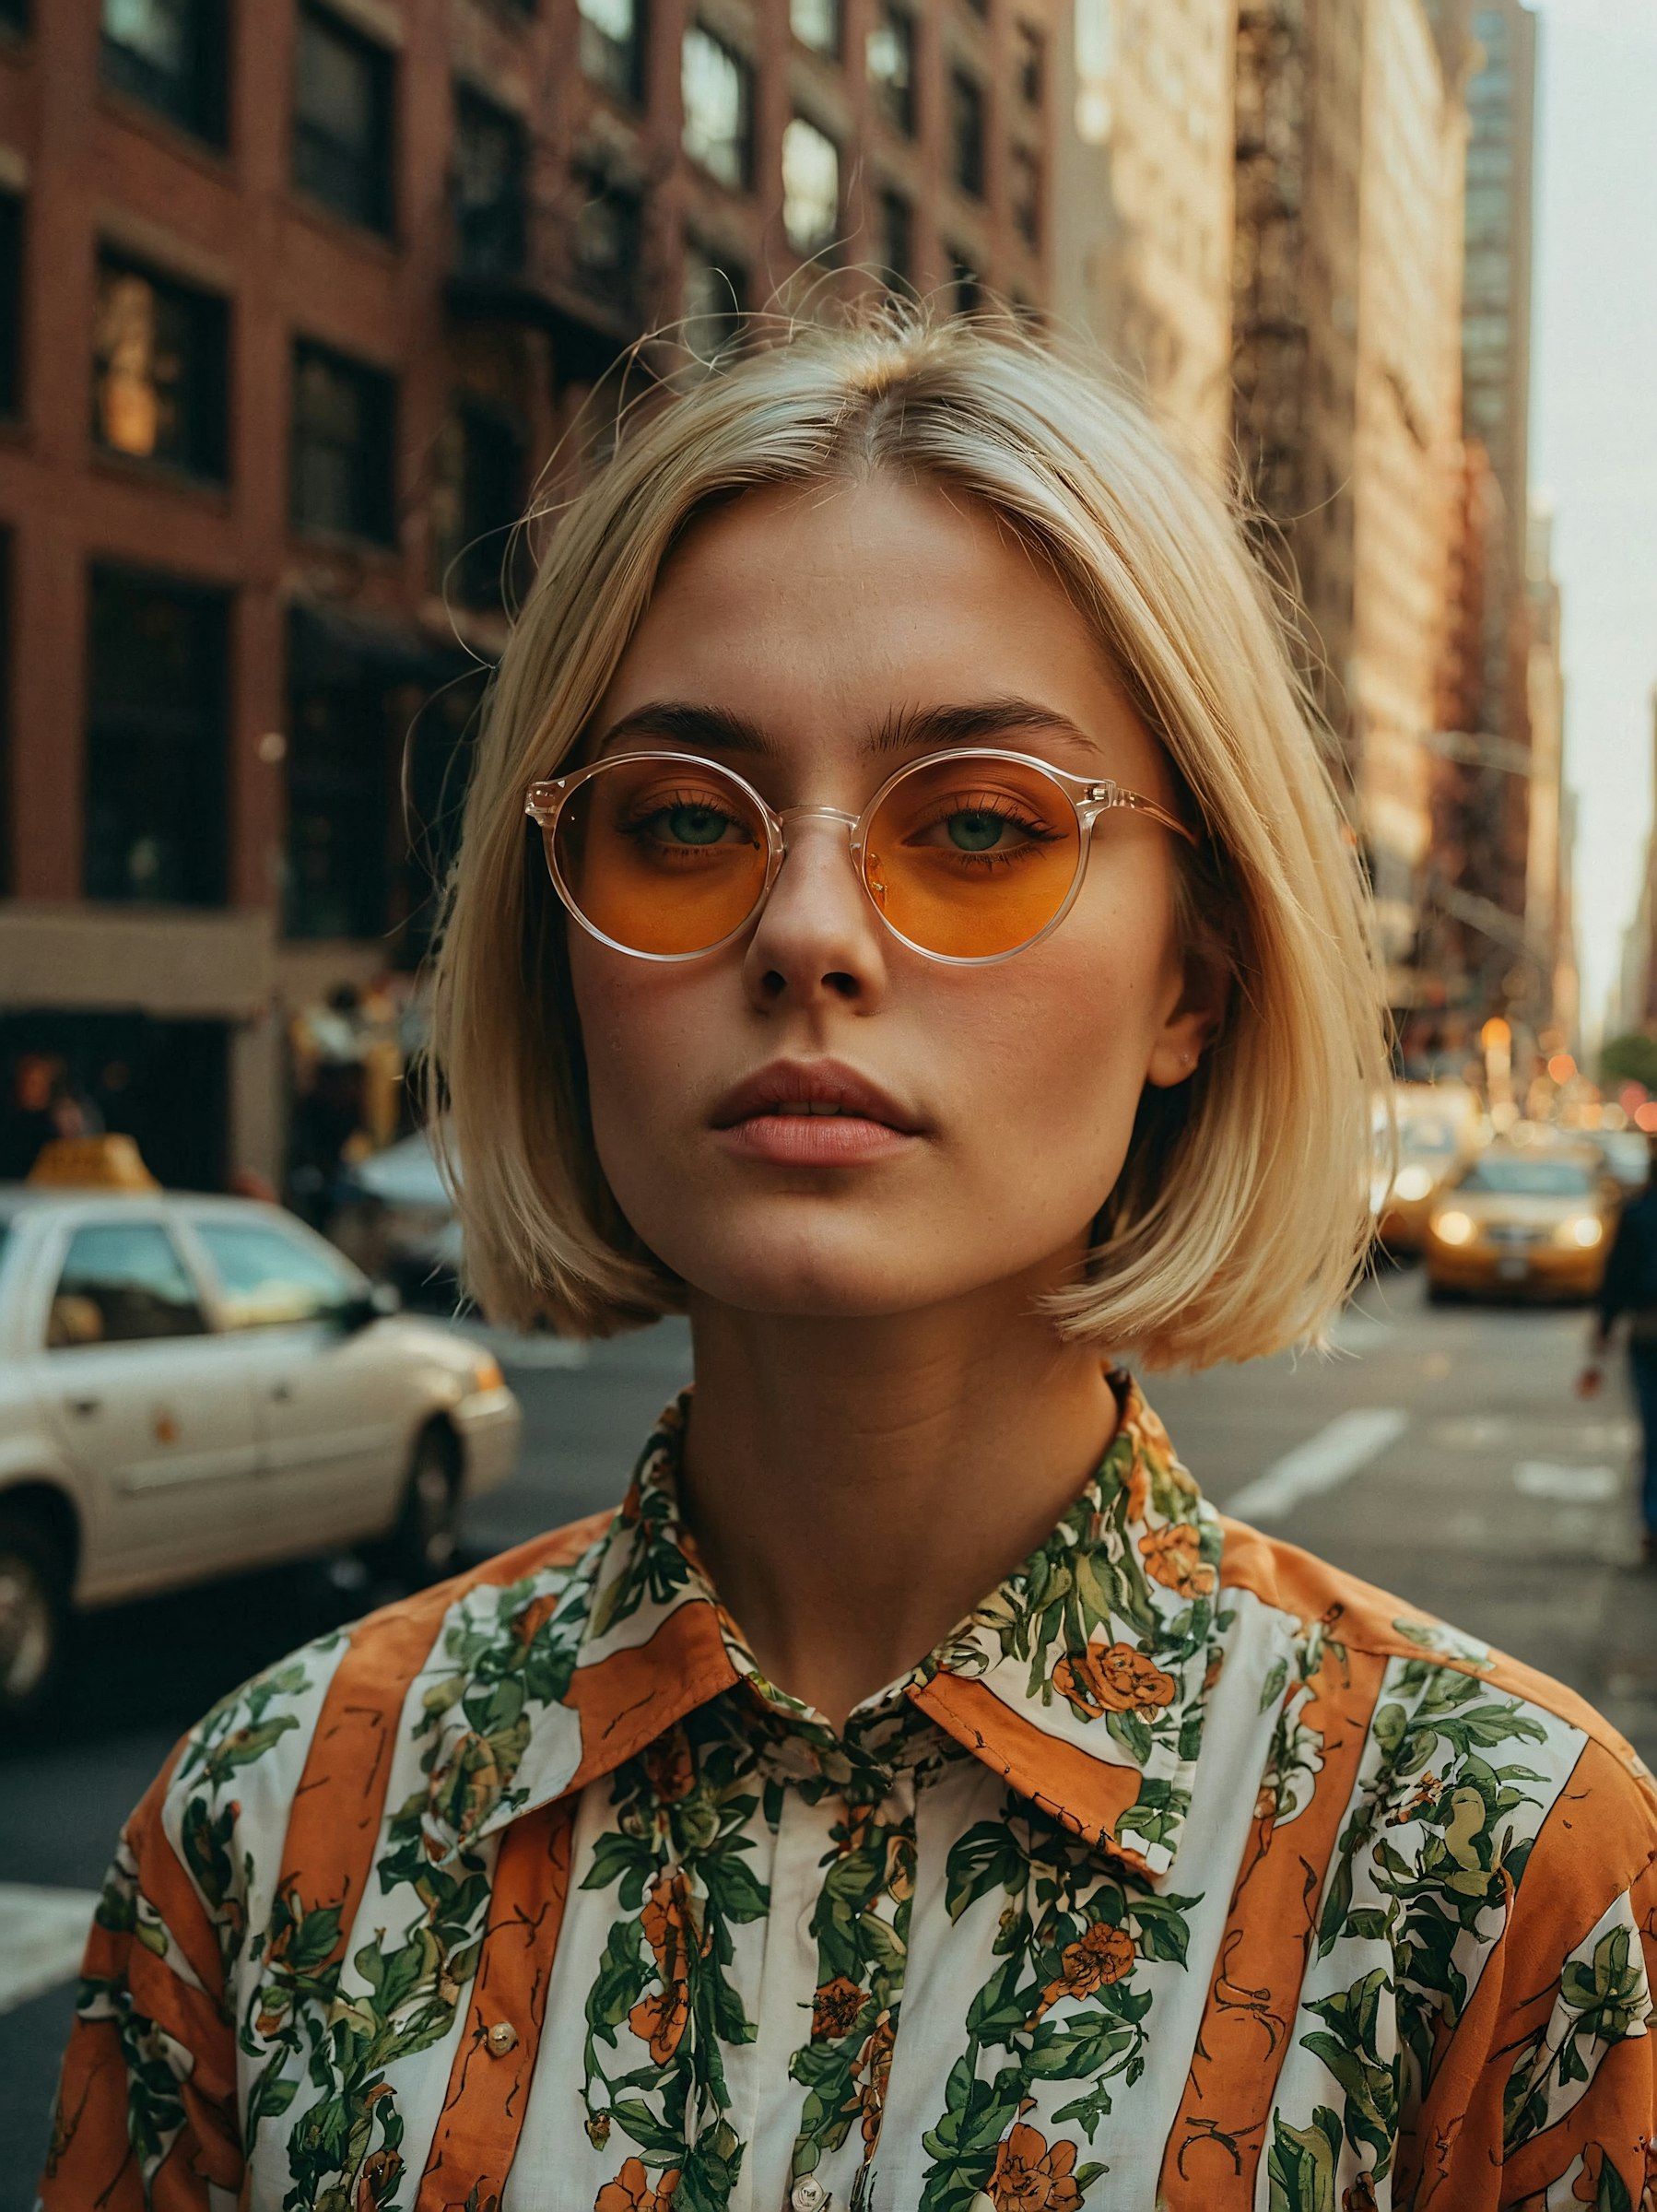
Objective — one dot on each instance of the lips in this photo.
(813, 1113)
(814, 1090)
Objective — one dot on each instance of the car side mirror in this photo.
(376, 1303)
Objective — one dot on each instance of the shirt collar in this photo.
(1081, 1680)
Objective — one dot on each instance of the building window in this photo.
(156, 817)
(1029, 65)
(897, 219)
(716, 292)
(612, 46)
(966, 286)
(487, 187)
(11, 305)
(170, 55)
(344, 446)
(717, 89)
(477, 504)
(810, 188)
(342, 120)
(891, 64)
(967, 133)
(1025, 194)
(608, 233)
(158, 370)
(817, 24)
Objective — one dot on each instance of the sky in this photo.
(1593, 434)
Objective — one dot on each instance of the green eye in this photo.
(974, 832)
(696, 825)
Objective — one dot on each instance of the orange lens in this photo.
(659, 855)
(972, 857)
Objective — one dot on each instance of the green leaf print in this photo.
(1302, 2162)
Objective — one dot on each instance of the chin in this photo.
(814, 1276)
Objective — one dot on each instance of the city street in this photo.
(1438, 1453)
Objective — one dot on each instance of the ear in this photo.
(1193, 1019)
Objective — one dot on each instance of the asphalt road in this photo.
(1439, 1453)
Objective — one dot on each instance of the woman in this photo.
(935, 962)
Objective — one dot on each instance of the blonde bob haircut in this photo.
(1243, 1211)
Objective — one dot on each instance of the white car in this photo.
(194, 1385)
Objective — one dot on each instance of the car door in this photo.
(149, 1403)
(335, 1403)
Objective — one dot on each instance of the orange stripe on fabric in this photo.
(90, 2159)
(477, 2135)
(1089, 1795)
(1598, 1841)
(626, 1700)
(1214, 2147)
(334, 1822)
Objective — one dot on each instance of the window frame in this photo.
(836, 50)
(470, 103)
(747, 76)
(168, 1231)
(202, 107)
(376, 210)
(603, 61)
(206, 385)
(899, 106)
(823, 249)
(970, 178)
(14, 301)
(378, 520)
(201, 1230)
(113, 720)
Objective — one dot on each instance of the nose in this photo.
(817, 940)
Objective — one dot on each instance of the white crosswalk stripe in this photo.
(42, 1934)
(1349, 1442)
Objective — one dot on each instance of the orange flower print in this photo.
(377, 2182)
(834, 2009)
(871, 2071)
(669, 1926)
(1173, 1556)
(1118, 1680)
(1028, 2177)
(1100, 1955)
(631, 2190)
(1360, 2197)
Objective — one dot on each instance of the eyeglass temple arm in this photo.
(1108, 795)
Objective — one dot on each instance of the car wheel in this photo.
(34, 1617)
(422, 1546)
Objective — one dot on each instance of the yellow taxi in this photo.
(1534, 1222)
(1438, 1133)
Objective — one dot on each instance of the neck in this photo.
(856, 1487)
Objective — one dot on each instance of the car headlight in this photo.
(1585, 1231)
(1453, 1227)
(1412, 1182)
(486, 1374)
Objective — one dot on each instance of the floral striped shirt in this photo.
(1186, 1873)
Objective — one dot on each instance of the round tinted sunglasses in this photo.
(968, 857)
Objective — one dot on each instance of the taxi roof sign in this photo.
(105, 1163)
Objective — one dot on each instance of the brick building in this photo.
(296, 298)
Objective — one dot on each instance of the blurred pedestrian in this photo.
(1629, 1289)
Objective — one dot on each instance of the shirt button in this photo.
(502, 2037)
(809, 2194)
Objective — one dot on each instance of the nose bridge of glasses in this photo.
(789, 815)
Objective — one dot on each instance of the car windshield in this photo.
(1627, 1153)
(1505, 1176)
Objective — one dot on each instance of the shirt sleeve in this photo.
(1546, 2094)
(146, 2117)
(1617, 1284)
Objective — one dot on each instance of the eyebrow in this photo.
(905, 729)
